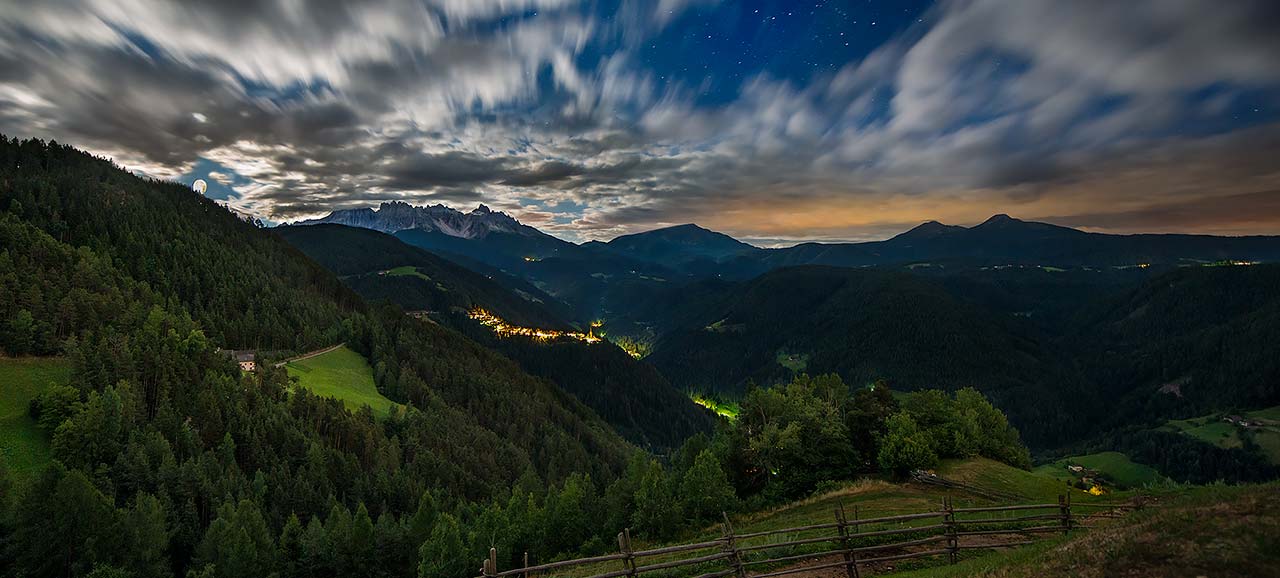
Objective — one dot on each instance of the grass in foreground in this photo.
(341, 374)
(1218, 531)
(23, 447)
(874, 498)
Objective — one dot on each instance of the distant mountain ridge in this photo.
(676, 244)
(395, 216)
(1004, 240)
(1001, 239)
(607, 279)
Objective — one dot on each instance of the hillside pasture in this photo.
(408, 271)
(23, 447)
(1214, 430)
(1115, 466)
(341, 374)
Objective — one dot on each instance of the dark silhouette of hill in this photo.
(866, 325)
(364, 258)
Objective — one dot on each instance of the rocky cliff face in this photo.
(399, 216)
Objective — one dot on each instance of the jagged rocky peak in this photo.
(392, 216)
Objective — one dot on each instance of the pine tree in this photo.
(443, 555)
(238, 543)
(424, 519)
(657, 510)
(146, 537)
(360, 551)
(64, 526)
(317, 555)
(291, 548)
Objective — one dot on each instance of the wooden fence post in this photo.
(1070, 521)
(1064, 511)
(735, 557)
(850, 560)
(525, 574)
(490, 566)
(949, 520)
(624, 544)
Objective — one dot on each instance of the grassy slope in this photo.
(342, 374)
(1213, 430)
(1215, 531)
(1114, 465)
(408, 270)
(23, 446)
(873, 498)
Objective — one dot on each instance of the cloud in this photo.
(1036, 107)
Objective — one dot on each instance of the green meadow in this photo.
(23, 447)
(407, 271)
(1114, 465)
(1212, 429)
(341, 374)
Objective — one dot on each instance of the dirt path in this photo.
(309, 354)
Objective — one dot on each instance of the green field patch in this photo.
(1264, 428)
(407, 271)
(341, 374)
(23, 446)
(796, 362)
(727, 409)
(722, 327)
(997, 477)
(1114, 466)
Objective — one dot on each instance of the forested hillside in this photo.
(629, 394)
(866, 325)
(169, 457)
(379, 266)
(1194, 340)
(633, 397)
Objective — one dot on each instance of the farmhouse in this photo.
(245, 358)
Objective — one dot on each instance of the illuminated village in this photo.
(504, 329)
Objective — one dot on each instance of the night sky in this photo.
(771, 121)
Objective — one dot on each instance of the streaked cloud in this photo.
(1118, 116)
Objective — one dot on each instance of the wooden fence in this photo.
(848, 542)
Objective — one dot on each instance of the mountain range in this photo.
(605, 279)
(394, 216)
(498, 239)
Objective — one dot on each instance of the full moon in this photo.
(199, 186)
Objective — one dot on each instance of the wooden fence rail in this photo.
(855, 541)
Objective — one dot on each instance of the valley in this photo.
(504, 329)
